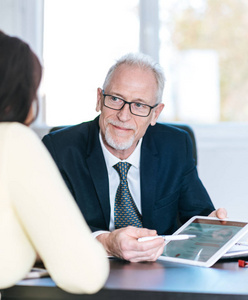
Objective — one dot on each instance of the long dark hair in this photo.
(20, 76)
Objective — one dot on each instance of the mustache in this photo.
(122, 125)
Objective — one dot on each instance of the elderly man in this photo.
(130, 176)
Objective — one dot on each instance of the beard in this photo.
(113, 142)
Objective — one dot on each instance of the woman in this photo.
(37, 213)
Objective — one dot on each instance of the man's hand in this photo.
(220, 213)
(123, 243)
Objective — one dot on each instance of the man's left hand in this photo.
(220, 213)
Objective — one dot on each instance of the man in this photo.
(163, 184)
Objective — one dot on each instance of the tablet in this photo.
(213, 238)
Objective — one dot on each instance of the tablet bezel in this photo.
(217, 255)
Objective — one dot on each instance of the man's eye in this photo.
(138, 105)
(113, 98)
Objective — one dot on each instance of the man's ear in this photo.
(157, 111)
(99, 100)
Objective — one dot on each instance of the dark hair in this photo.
(20, 76)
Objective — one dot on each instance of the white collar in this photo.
(111, 160)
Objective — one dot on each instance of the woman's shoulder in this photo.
(15, 128)
(17, 134)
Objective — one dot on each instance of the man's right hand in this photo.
(123, 243)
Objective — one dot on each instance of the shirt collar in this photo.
(111, 160)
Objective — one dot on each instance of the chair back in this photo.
(190, 131)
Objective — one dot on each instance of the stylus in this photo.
(167, 237)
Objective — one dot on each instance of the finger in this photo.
(146, 256)
(143, 258)
(150, 254)
(221, 213)
(142, 232)
(213, 214)
(133, 244)
(150, 244)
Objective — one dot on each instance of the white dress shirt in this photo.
(133, 179)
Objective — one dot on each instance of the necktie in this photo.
(125, 211)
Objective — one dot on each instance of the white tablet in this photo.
(213, 238)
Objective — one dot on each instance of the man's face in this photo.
(120, 129)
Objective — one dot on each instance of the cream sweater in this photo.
(38, 214)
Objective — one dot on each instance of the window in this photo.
(82, 39)
(203, 50)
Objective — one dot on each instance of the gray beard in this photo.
(116, 145)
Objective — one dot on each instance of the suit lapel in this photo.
(148, 171)
(98, 170)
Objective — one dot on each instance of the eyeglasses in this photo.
(136, 108)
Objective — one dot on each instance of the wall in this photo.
(223, 165)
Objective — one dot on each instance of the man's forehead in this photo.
(127, 67)
(126, 73)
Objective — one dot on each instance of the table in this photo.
(158, 280)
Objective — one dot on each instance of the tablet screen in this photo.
(211, 235)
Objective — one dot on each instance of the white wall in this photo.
(223, 165)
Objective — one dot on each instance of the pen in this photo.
(167, 237)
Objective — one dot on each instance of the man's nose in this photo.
(124, 114)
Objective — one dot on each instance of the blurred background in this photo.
(201, 45)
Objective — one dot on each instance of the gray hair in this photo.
(142, 61)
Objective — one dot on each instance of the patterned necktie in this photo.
(125, 211)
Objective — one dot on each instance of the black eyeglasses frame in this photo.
(129, 103)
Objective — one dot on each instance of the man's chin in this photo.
(119, 144)
(119, 139)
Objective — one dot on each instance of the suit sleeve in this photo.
(51, 219)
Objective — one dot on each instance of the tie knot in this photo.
(122, 168)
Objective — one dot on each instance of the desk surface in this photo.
(159, 280)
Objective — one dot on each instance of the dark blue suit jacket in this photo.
(170, 187)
